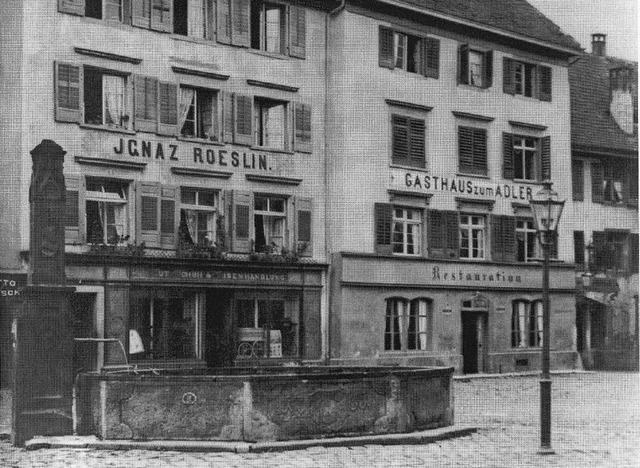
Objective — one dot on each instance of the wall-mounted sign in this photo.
(10, 286)
(429, 183)
(447, 310)
(500, 309)
(213, 276)
(223, 157)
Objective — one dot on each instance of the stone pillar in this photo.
(43, 342)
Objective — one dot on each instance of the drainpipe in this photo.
(335, 11)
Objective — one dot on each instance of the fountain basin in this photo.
(264, 404)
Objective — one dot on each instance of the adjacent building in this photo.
(603, 210)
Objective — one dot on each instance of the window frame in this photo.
(271, 215)
(465, 74)
(212, 210)
(527, 231)
(200, 132)
(127, 96)
(470, 229)
(527, 327)
(405, 222)
(398, 336)
(91, 196)
(261, 107)
(537, 157)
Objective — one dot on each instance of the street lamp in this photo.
(547, 210)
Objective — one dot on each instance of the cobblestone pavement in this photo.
(596, 423)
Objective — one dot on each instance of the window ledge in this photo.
(191, 39)
(102, 128)
(277, 86)
(477, 176)
(271, 150)
(273, 179)
(201, 141)
(200, 73)
(187, 171)
(267, 54)
(408, 168)
(470, 116)
(528, 181)
(136, 166)
(482, 89)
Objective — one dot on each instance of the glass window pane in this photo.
(188, 196)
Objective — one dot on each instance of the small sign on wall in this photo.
(447, 310)
(500, 309)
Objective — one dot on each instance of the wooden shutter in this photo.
(304, 226)
(68, 92)
(146, 103)
(162, 15)
(242, 213)
(443, 233)
(597, 182)
(383, 220)
(432, 57)
(416, 142)
(297, 31)
(503, 239)
(302, 123)
(598, 262)
(169, 206)
(463, 64)
(227, 117)
(577, 179)
(167, 108)
(545, 157)
(141, 13)
(240, 18)
(210, 20)
(223, 21)
(578, 249)
(74, 7)
(148, 213)
(508, 169)
(385, 46)
(508, 78)
(544, 74)
(400, 139)
(196, 21)
(465, 149)
(74, 210)
(633, 254)
(472, 150)
(488, 69)
(112, 9)
(243, 118)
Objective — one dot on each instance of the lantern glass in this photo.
(546, 209)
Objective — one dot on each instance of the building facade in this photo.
(441, 131)
(194, 169)
(603, 212)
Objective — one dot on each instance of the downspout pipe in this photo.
(339, 8)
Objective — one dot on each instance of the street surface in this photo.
(595, 417)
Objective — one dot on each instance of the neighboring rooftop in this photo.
(516, 16)
(593, 127)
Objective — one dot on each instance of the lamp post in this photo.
(547, 210)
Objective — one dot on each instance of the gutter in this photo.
(343, 4)
(501, 32)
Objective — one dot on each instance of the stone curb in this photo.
(92, 442)
(468, 377)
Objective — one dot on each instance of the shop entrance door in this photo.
(474, 329)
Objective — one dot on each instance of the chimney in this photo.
(599, 44)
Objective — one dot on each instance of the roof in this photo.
(592, 125)
(515, 16)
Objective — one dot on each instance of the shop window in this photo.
(165, 325)
(271, 123)
(472, 150)
(270, 220)
(262, 321)
(408, 141)
(475, 67)
(198, 217)
(407, 231)
(414, 54)
(472, 237)
(526, 158)
(526, 79)
(106, 211)
(526, 324)
(197, 112)
(105, 100)
(407, 324)
(528, 246)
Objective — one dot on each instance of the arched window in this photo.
(408, 324)
(526, 324)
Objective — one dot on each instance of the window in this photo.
(270, 223)
(614, 182)
(526, 79)
(579, 249)
(268, 26)
(472, 150)
(198, 113)
(526, 158)
(113, 10)
(194, 18)
(614, 250)
(407, 325)
(527, 240)
(472, 236)
(475, 67)
(408, 52)
(271, 123)
(198, 217)
(577, 179)
(408, 141)
(105, 99)
(165, 324)
(106, 211)
(407, 231)
(526, 324)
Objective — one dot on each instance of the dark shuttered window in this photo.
(408, 141)
(472, 150)
(383, 219)
(578, 249)
(577, 179)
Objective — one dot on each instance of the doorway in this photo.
(474, 339)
